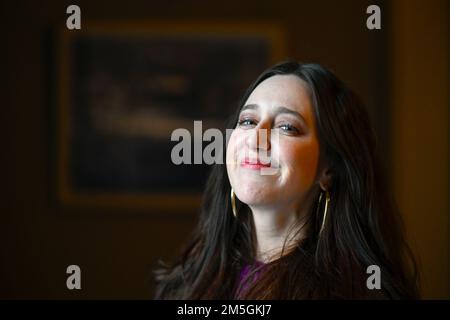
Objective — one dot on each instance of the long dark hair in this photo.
(363, 225)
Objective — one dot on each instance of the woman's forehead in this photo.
(282, 90)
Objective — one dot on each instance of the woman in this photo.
(301, 209)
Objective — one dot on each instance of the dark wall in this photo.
(116, 250)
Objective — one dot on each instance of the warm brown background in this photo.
(401, 71)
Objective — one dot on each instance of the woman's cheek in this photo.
(231, 157)
(305, 161)
(230, 154)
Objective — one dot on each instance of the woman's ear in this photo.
(325, 179)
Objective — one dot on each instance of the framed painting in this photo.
(124, 88)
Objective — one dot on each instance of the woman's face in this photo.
(278, 168)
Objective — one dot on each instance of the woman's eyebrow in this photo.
(282, 109)
(250, 106)
(278, 110)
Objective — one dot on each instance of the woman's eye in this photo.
(289, 128)
(246, 122)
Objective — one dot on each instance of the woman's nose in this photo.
(259, 138)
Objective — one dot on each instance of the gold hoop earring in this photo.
(233, 203)
(327, 200)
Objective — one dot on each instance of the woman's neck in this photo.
(275, 228)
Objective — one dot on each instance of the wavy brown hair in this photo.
(363, 225)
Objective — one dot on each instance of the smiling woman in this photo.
(314, 225)
(278, 199)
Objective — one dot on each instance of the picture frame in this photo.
(124, 87)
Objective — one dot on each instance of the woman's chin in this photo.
(254, 197)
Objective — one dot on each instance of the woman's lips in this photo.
(255, 164)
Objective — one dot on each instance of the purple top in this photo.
(244, 282)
